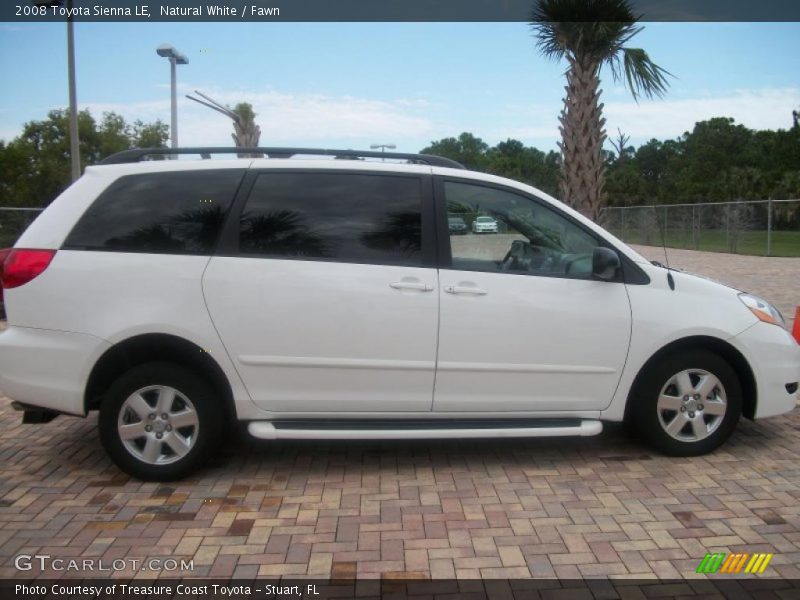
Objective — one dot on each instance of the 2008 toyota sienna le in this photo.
(322, 298)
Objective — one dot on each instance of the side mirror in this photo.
(605, 264)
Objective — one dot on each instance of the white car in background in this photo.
(320, 299)
(484, 225)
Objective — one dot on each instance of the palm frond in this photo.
(642, 75)
(588, 28)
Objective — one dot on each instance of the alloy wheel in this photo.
(158, 425)
(691, 405)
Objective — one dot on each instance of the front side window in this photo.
(512, 233)
(161, 213)
(343, 217)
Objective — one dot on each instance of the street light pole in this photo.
(383, 148)
(175, 58)
(173, 122)
(74, 145)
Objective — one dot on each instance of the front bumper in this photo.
(774, 356)
(47, 369)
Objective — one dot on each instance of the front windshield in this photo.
(485, 220)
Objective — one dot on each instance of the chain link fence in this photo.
(755, 227)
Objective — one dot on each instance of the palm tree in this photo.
(591, 34)
(246, 132)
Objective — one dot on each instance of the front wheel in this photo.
(687, 404)
(159, 421)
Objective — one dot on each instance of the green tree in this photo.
(112, 134)
(148, 135)
(717, 160)
(709, 151)
(35, 167)
(515, 160)
(625, 185)
(510, 158)
(590, 34)
(655, 161)
(467, 149)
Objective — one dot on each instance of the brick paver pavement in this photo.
(571, 508)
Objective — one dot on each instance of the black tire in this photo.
(204, 437)
(646, 418)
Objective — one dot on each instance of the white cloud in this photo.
(535, 124)
(767, 108)
(298, 119)
(286, 118)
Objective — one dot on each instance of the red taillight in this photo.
(22, 265)
(3, 253)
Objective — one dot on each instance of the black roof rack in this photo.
(137, 154)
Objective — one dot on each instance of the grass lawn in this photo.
(784, 243)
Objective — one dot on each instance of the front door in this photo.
(523, 325)
(329, 302)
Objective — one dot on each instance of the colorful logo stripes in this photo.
(721, 562)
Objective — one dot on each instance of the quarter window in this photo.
(372, 219)
(175, 212)
(511, 233)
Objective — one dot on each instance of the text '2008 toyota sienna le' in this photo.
(324, 298)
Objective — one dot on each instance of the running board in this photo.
(401, 429)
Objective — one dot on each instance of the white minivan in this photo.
(312, 297)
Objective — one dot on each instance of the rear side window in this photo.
(357, 218)
(163, 213)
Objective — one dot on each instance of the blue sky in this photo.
(348, 85)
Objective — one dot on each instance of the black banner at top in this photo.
(373, 10)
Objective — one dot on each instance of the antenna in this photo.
(662, 227)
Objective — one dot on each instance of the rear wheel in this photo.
(687, 404)
(159, 421)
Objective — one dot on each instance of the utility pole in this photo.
(74, 141)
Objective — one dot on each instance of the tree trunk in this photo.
(246, 136)
(582, 137)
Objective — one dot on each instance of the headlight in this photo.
(763, 310)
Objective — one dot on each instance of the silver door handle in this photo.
(411, 285)
(464, 289)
